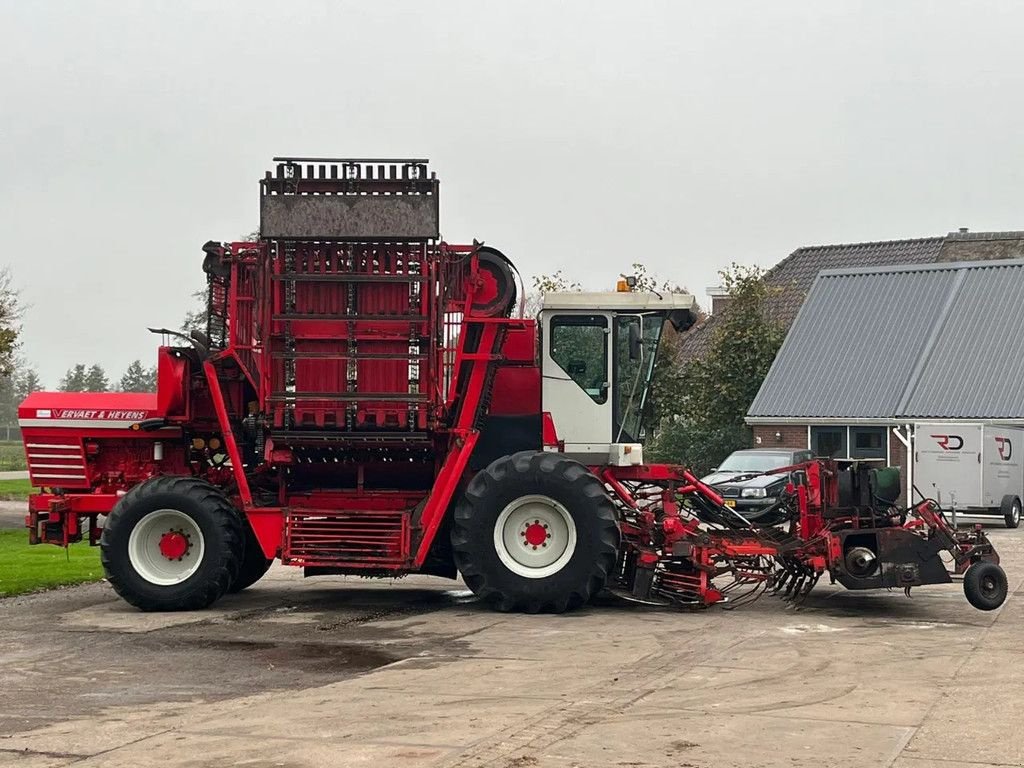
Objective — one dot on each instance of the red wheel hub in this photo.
(173, 545)
(535, 534)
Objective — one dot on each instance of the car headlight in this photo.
(753, 493)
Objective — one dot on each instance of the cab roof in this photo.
(619, 300)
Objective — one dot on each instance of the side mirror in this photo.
(636, 342)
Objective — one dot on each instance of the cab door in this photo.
(576, 388)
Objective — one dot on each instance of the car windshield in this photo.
(754, 462)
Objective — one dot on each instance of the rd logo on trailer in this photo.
(949, 442)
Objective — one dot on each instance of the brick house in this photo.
(794, 275)
(875, 350)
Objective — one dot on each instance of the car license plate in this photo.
(730, 503)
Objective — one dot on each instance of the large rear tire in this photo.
(535, 532)
(172, 544)
(254, 563)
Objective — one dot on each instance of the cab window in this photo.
(636, 342)
(579, 345)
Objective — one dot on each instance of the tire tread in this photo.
(202, 494)
(472, 513)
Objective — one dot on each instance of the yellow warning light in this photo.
(198, 443)
(622, 287)
(214, 443)
(135, 427)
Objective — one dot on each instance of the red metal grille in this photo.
(56, 461)
(352, 335)
(345, 538)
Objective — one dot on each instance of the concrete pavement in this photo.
(347, 672)
(12, 514)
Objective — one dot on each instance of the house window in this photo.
(829, 442)
(867, 442)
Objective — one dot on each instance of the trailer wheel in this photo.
(535, 532)
(985, 585)
(172, 544)
(253, 565)
(1010, 510)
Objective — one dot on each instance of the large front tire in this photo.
(172, 544)
(535, 532)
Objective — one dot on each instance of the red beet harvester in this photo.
(365, 399)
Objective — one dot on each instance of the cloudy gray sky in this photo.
(581, 136)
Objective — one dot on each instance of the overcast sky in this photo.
(581, 136)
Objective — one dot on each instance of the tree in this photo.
(195, 318)
(138, 379)
(555, 282)
(82, 379)
(742, 347)
(704, 404)
(14, 389)
(10, 323)
(74, 379)
(8, 402)
(26, 382)
(96, 380)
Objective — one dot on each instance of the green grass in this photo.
(15, 490)
(24, 568)
(12, 456)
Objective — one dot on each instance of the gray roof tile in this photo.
(920, 341)
(794, 275)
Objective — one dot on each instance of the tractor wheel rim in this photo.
(166, 547)
(1015, 513)
(535, 536)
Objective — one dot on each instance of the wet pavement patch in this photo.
(321, 658)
